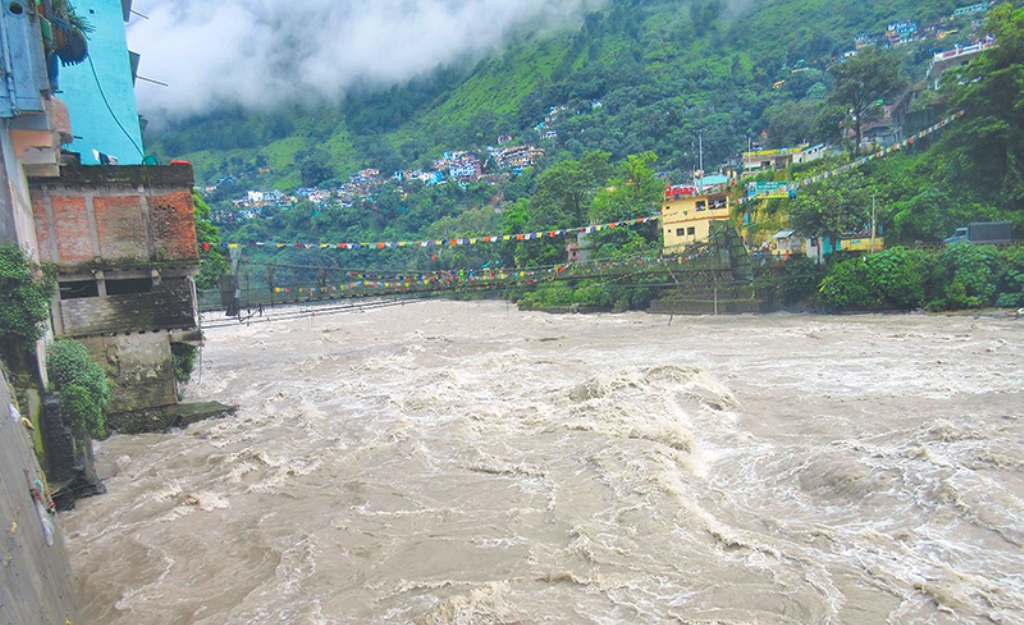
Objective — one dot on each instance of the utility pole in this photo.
(700, 144)
(872, 225)
(700, 164)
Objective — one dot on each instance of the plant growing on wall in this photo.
(184, 358)
(69, 33)
(25, 302)
(83, 387)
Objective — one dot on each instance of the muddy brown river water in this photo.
(445, 462)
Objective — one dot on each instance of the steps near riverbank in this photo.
(710, 300)
(37, 586)
(165, 417)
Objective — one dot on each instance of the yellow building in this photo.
(861, 244)
(687, 213)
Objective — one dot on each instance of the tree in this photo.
(564, 191)
(987, 147)
(791, 123)
(862, 81)
(634, 193)
(830, 208)
(314, 166)
(212, 261)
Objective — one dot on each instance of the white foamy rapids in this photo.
(460, 463)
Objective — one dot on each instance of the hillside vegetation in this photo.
(630, 94)
(636, 76)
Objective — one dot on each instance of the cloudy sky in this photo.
(262, 52)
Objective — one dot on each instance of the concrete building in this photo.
(124, 241)
(687, 213)
(33, 123)
(36, 581)
(959, 56)
(773, 160)
(100, 91)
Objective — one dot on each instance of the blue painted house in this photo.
(100, 91)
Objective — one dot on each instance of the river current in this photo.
(467, 463)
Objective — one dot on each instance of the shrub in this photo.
(800, 280)
(897, 278)
(592, 295)
(184, 359)
(847, 287)
(1010, 277)
(84, 391)
(25, 292)
(967, 271)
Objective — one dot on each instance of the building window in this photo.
(680, 232)
(79, 289)
(691, 230)
(701, 204)
(127, 287)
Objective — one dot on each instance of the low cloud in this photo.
(262, 53)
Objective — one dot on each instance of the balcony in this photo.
(38, 137)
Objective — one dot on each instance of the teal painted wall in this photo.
(104, 116)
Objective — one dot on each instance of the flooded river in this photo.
(446, 462)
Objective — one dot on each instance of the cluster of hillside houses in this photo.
(902, 32)
(458, 167)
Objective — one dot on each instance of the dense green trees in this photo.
(832, 207)
(984, 153)
(862, 83)
(25, 302)
(565, 190)
(213, 261)
(957, 277)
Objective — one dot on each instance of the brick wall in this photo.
(111, 215)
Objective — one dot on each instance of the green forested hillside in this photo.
(634, 87)
(635, 76)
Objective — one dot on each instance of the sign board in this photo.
(778, 152)
(768, 190)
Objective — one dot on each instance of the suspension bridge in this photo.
(710, 277)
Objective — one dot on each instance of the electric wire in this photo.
(110, 109)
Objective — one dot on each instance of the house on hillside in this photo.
(973, 9)
(900, 32)
(959, 56)
(467, 167)
(778, 159)
(687, 213)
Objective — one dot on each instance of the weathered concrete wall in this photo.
(37, 586)
(168, 306)
(141, 367)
